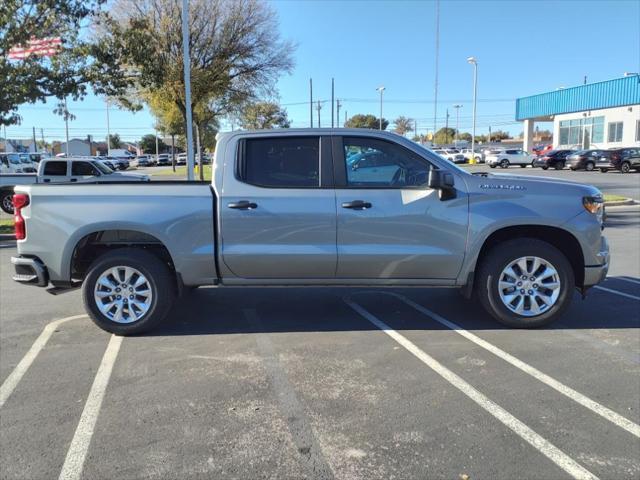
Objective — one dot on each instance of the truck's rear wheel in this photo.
(128, 291)
(525, 283)
(6, 202)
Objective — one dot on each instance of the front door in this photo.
(278, 209)
(390, 224)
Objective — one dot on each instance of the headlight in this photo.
(593, 204)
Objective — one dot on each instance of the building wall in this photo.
(76, 147)
(628, 115)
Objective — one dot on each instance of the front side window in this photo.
(82, 169)
(292, 162)
(615, 132)
(55, 168)
(14, 158)
(376, 163)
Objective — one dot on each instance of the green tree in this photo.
(148, 144)
(67, 73)
(235, 46)
(464, 136)
(263, 115)
(403, 125)
(445, 136)
(366, 121)
(114, 140)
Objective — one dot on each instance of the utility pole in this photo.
(44, 147)
(457, 107)
(311, 102)
(318, 108)
(435, 84)
(108, 131)
(66, 124)
(446, 128)
(156, 146)
(186, 59)
(35, 144)
(345, 118)
(332, 101)
(338, 105)
(381, 90)
(199, 152)
(474, 62)
(415, 124)
(489, 139)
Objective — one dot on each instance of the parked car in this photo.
(451, 155)
(164, 159)
(144, 161)
(105, 161)
(587, 159)
(10, 163)
(120, 163)
(468, 154)
(507, 157)
(623, 159)
(553, 159)
(27, 165)
(542, 149)
(8, 181)
(292, 213)
(181, 159)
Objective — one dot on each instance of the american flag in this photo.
(44, 47)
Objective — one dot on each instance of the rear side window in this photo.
(82, 168)
(292, 162)
(55, 168)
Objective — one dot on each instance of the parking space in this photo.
(325, 383)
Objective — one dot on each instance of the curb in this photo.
(7, 236)
(620, 203)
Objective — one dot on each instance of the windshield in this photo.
(102, 167)
(14, 158)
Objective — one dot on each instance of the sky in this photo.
(522, 48)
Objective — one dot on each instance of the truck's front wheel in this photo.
(128, 291)
(525, 283)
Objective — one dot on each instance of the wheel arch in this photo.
(560, 238)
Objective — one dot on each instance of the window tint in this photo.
(55, 168)
(282, 162)
(512, 152)
(82, 168)
(376, 163)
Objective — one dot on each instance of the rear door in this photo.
(277, 208)
(393, 226)
(54, 171)
(83, 171)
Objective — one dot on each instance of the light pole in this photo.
(186, 60)
(108, 131)
(474, 62)
(380, 89)
(457, 107)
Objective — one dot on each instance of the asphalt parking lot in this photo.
(328, 383)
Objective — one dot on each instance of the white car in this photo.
(467, 152)
(452, 155)
(79, 170)
(506, 157)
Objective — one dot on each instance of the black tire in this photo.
(545, 168)
(492, 166)
(504, 163)
(604, 170)
(573, 169)
(559, 166)
(625, 167)
(590, 166)
(498, 258)
(522, 165)
(160, 278)
(6, 202)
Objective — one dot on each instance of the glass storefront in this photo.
(581, 132)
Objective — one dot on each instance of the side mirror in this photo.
(442, 181)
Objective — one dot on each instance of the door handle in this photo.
(243, 205)
(356, 205)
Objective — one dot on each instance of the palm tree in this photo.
(403, 125)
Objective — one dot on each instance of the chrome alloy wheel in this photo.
(123, 294)
(529, 286)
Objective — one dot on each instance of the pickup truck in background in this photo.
(62, 170)
(292, 208)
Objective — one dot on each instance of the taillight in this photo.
(20, 200)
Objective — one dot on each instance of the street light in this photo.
(380, 89)
(457, 107)
(474, 62)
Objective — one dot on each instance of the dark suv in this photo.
(623, 159)
(554, 158)
(588, 159)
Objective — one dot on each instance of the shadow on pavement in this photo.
(210, 311)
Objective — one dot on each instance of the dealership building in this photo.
(595, 115)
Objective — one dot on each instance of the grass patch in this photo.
(608, 197)
(182, 172)
(6, 226)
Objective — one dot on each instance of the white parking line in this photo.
(631, 280)
(542, 445)
(577, 397)
(18, 372)
(74, 462)
(605, 289)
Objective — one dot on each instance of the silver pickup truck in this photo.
(315, 207)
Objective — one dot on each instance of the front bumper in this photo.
(594, 274)
(30, 270)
